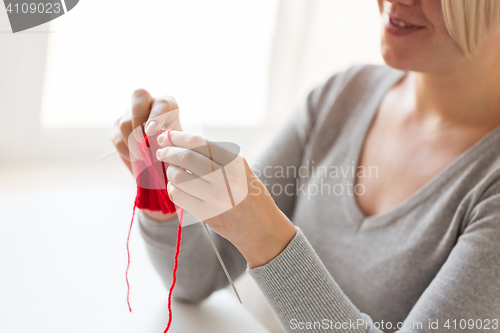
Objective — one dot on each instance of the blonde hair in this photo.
(469, 21)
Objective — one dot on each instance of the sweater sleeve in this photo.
(199, 270)
(463, 297)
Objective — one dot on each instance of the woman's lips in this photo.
(398, 27)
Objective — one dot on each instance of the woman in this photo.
(407, 235)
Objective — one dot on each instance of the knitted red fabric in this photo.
(152, 180)
(152, 195)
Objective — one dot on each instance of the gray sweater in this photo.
(431, 264)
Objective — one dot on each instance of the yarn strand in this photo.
(177, 250)
(128, 255)
(174, 272)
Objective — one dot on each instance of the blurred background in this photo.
(237, 70)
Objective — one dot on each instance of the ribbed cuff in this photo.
(158, 234)
(299, 287)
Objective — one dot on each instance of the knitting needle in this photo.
(105, 155)
(222, 262)
(206, 228)
(208, 231)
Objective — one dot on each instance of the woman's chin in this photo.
(399, 60)
(405, 60)
(420, 57)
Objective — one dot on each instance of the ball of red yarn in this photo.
(152, 181)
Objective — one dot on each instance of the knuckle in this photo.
(140, 93)
(176, 177)
(169, 100)
(116, 124)
(121, 147)
(115, 135)
(123, 125)
(174, 192)
(165, 104)
(196, 141)
(186, 156)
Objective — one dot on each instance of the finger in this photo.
(187, 159)
(163, 111)
(125, 135)
(181, 139)
(222, 153)
(120, 145)
(195, 186)
(141, 107)
(183, 199)
(122, 148)
(125, 126)
(127, 163)
(199, 208)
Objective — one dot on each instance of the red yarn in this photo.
(152, 195)
(151, 178)
(128, 261)
(174, 272)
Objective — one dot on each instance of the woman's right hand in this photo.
(153, 114)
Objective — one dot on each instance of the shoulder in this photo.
(487, 190)
(352, 84)
(365, 76)
(483, 175)
(369, 74)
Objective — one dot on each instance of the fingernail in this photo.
(151, 128)
(160, 139)
(168, 191)
(138, 134)
(158, 154)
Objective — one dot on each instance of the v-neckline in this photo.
(352, 209)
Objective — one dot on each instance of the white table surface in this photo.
(63, 259)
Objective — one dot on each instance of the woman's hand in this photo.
(152, 114)
(215, 184)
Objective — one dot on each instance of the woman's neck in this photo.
(465, 94)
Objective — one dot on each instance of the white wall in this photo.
(315, 39)
(22, 66)
(312, 40)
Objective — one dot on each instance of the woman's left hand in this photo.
(215, 184)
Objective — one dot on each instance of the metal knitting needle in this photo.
(105, 155)
(221, 262)
(208, 231)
